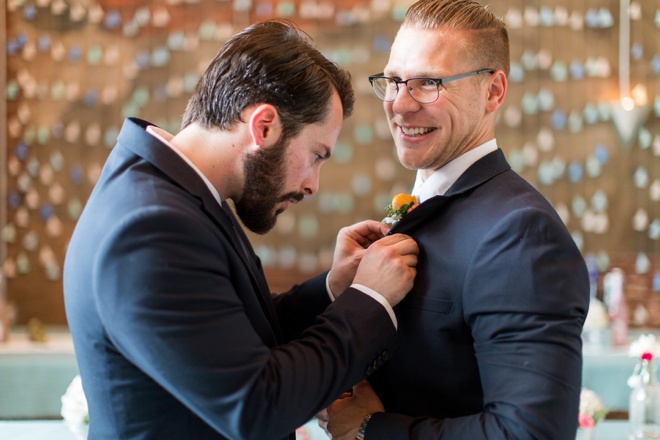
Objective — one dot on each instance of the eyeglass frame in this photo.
(438, 81)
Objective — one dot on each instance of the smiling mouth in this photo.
(415, 131)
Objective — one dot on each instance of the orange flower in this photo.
(401, 205)
(400, 200)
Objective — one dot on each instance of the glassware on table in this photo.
(644, 409)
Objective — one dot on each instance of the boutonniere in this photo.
(401, 205)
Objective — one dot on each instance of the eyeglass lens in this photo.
(423, 90)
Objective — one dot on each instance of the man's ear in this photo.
(264, 125)
(496, 91)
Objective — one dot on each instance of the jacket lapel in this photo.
(420, 215)
(477, 174)
(255, 270)
(133, 137)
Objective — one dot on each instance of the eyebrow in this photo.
(416, 75)
(395, 71)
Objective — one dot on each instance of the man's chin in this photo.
(411, 161)
(261, 229)
(259, 224)
(264, 228)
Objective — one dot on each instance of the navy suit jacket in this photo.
(489, 337)
(175, 332)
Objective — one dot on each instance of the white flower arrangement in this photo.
(644, 344)
(74, 409)
(592, 409)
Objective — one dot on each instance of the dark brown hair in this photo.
(489, 39)
(269, 62)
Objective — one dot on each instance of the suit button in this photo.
(386, 356)
(370, 370)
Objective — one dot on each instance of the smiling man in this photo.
(175, 331)
(490, 336)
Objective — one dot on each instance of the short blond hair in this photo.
(489, 42)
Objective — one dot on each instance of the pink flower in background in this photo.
(591, 409)
(585, 421)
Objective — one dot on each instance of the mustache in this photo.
(297, 196)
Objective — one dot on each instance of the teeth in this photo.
(415, 131)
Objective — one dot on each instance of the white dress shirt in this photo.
(439, 182)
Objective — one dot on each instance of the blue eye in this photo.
(428, 82)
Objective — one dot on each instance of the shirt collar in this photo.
(440, 181)
(165, 138)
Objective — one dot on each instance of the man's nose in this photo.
(404, 101)
(311, 184)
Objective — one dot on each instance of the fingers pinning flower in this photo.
(401, 205)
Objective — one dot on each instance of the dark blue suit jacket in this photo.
(489, 337)
(175, 332)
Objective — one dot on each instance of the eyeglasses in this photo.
(422, 90)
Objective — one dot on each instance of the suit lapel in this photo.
(477, 174)
(255, 270)
(420, 215)
(134, 137)
(480, 172)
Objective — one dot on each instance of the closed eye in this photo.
(322, 156)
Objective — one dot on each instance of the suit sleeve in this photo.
(298, 308)
(168, 297)
(525, 300)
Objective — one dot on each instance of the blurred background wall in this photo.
(73, 70)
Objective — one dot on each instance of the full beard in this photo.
(265, 175)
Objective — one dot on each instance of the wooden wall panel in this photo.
(76, 69)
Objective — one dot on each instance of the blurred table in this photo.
(57, 430)
(611, 430)
(606, 371)
(35, 430)
(35, 375)
(606, 368)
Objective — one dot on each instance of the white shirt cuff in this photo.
(327, 287)
(380, 298)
